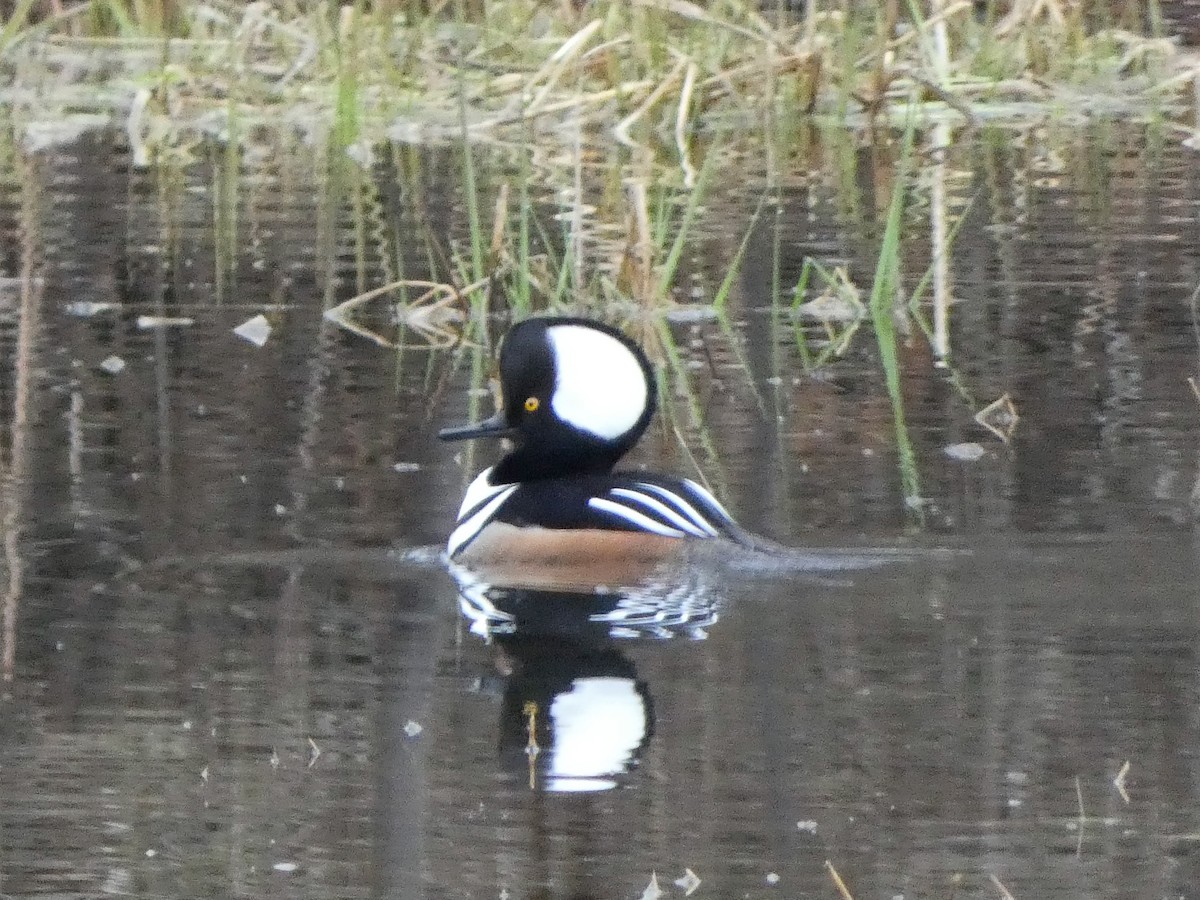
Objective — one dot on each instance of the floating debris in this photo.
(163, 321)
(406, 467)
(839, 301)
(85, 309)
(834, 307)
(412, 729)
(113, 365)
(999, 417)
(362, 153)
(435, 315)
(809, 825)
(59, 132)
(316, 753)
(285, 867)
(999, 885)
(772, 878)
(255, 330)
(968, 451)
(652, 891)
(692, 313)
(689, 881)
(1119, 781)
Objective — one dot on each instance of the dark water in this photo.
(223, 679)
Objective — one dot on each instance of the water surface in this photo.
(223, 679)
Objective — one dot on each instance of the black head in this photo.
(577, 395)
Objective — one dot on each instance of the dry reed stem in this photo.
(566, 103)
(681, 122)
(1082, 817)
(1025, 12)
(698, 470)
(24, 371)
(756, 67)
(1004, 892)
(499, 221)
(642, 275)
(691, 11)
(837, 882)
(621, 131)
(553, 69)
(911, 35)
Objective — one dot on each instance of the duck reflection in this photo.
(671, 604)
(575, 717)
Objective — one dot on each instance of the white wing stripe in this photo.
(682, 505)
(707, 497)
(633, 517)
(463, 534)
(663, 510)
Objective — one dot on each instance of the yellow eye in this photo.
(531, 404)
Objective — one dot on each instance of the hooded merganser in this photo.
(576, 396)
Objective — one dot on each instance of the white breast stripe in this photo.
(663, 511)
(683, 506)
(633, 517)
(467, 530)
(479, 492)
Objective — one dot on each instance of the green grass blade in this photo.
(883, 292)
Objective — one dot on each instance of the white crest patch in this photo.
(600, 387)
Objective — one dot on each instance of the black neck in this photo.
(533, 462)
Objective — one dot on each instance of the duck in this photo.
(576, 396)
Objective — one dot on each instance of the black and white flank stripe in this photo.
(686, 511)
(671, 507)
